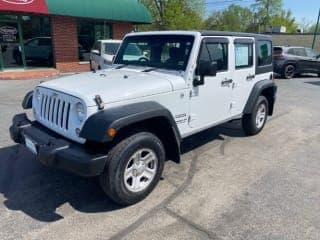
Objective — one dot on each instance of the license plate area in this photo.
(31, 145)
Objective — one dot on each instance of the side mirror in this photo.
(204, 69)
(96, 52)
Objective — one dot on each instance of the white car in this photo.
(103, 52)
(121, 124)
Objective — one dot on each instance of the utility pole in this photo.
(316, 31)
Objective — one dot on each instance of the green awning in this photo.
(120, 10)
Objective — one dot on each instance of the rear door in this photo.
(210, 103)
(243, 73)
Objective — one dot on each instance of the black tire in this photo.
(289, 71)
(249, 121)
(112, 179)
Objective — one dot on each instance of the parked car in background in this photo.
(293, 60)
(103, 53)
(37, 49)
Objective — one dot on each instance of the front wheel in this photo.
(289, 71)
(133, 169)
(254, 123)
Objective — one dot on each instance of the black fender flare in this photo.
(256, 91)
(96, 127)
(27, 101)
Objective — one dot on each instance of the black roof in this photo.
(235, 34)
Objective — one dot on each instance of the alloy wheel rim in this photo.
(290, 71)
(261, 115)
(140, 170)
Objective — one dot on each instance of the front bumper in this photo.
(55, 151)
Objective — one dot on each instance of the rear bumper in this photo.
(54, 151)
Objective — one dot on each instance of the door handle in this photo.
(226, 82)
(250, 77)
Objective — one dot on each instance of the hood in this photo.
(116, 85)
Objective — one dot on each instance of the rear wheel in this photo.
(133, 169)
(254, 123)
(289, 71)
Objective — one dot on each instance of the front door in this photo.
(11, 49)
(210, 103)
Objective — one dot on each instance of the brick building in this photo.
(44, 34)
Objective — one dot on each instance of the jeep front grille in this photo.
(55, 111)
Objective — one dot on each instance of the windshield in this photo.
(111, 48)
(160, 51)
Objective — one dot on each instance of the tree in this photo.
(265, 10)
(175, 14)
(286, 19)
(234, 18)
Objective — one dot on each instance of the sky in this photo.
(307, 9)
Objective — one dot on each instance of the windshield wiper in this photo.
(149, 69)
(121, 66)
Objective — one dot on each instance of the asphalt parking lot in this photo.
(228, 186)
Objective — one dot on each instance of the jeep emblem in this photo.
(19, 2)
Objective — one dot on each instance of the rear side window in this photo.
(111, 48)
(244, 55)
(297, 52)
(218, 52)
(264, 53)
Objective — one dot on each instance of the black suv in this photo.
(291, 60)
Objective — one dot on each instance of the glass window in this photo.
(89, 31)
(244, 55)
(111, 48)
(312, 53)
(264, 53)
(217, 52)
(297, 52)
(165, 51)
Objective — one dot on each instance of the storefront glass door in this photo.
(11, 53)
(25, 42)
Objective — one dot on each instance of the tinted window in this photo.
(44, 42)
(111, 48)
(244, 55)
(217, 52)
(33, 43)
(297, 52)
(162, 51)
(264, 53)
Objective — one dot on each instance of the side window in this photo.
(264, 53)
(298, 52)
(33, 43)
(244, 55)
(311, 53)
(96, 46)
(217, 52)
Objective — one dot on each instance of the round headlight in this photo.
(38, 95)
(81, 111)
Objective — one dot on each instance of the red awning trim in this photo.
(30, 6)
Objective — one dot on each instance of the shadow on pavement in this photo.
(40, 192)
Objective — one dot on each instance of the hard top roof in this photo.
(203, 33)
(236, 34)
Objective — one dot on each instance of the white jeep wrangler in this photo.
(123, 123)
